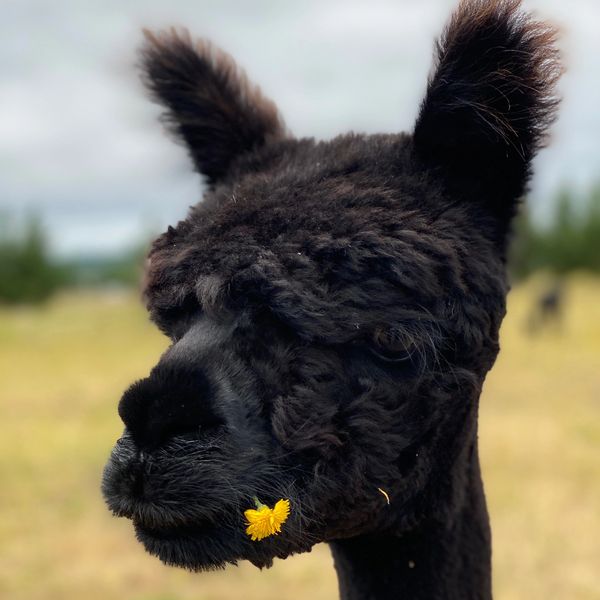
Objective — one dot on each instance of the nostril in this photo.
(172, 401)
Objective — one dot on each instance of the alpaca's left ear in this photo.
(211, 105)
(489, 103)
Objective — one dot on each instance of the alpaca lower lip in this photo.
(207, 547)
(201, 548)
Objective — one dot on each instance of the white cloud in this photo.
(77, 135)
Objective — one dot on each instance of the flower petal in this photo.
(282, 510)
(266, 521)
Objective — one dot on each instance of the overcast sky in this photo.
(80, 145)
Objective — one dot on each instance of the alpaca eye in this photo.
(392, 345)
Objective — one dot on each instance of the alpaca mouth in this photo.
(181, 520)
(178, 536)
(187, 508)
(201, 547)
(154, 495)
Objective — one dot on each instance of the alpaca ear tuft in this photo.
(211, 105)
(489, 103)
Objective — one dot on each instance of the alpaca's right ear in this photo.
(489, 103)
(210, 103)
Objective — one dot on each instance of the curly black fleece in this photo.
(334, 308)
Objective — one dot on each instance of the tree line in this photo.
(569, 242)
(29, 274)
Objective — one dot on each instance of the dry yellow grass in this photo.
(63, 367)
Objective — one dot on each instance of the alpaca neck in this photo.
(436, 561)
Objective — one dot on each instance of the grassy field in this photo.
(63, 367)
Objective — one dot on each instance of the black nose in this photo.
(171, 401)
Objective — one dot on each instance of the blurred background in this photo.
(87, 177)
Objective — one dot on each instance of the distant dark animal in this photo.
(548, 308)
(333, 309)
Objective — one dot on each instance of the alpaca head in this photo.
(333, 306)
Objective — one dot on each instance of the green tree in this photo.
(26, 272)
(570, 242)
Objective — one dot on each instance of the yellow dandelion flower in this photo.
(265, 521)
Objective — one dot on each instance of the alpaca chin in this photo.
(198, 548)
(209, 547)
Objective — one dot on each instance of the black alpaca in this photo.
(334, 308)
